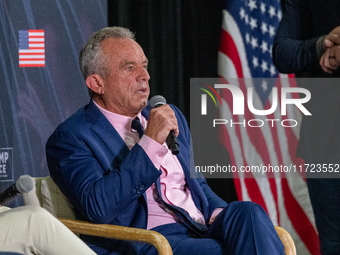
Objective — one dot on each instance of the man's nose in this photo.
(143, 75)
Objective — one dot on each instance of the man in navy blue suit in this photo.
(114, 172)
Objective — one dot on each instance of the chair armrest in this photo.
(121, 233)
(287, 240)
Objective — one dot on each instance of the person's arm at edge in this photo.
(294, 49)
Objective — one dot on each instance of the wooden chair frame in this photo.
(119, 232)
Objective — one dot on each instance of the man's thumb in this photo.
(328, 43)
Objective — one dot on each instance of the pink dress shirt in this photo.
(173, 186)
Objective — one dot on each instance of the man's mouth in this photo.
(141, 91)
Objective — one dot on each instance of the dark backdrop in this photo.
(35, 100)
(181, 40)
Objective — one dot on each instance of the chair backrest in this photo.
(46, 194)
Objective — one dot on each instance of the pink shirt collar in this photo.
(122, 123)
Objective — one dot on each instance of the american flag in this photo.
(248, 31)
(31, 48)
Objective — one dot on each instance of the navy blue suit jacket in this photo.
(104, 180)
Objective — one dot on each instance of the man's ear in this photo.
(95, 83)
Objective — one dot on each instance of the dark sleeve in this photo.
(294, 48)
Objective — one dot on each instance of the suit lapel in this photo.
(106, 132)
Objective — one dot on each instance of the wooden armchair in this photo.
(46, 194)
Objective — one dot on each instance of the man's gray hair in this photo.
(91, 57)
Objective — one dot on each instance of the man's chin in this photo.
(142, 105)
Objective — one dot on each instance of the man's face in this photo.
(126, 87)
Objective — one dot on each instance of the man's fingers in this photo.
(323, 61)
(330, 60)
(328, 43)
(161, 121)
(332, 38)
(334, 57)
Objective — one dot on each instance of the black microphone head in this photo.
(157, 101)
(25, 184)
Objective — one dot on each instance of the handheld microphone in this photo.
(171, 140)
(23, 185)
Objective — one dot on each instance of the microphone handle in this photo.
(171, 140)
(172, 143)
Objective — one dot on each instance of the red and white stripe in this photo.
(285, 197)
(34, 56)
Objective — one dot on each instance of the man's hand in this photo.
(161, 121)
(333, 38)
(330, 60)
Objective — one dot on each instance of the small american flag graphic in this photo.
(31, 48)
